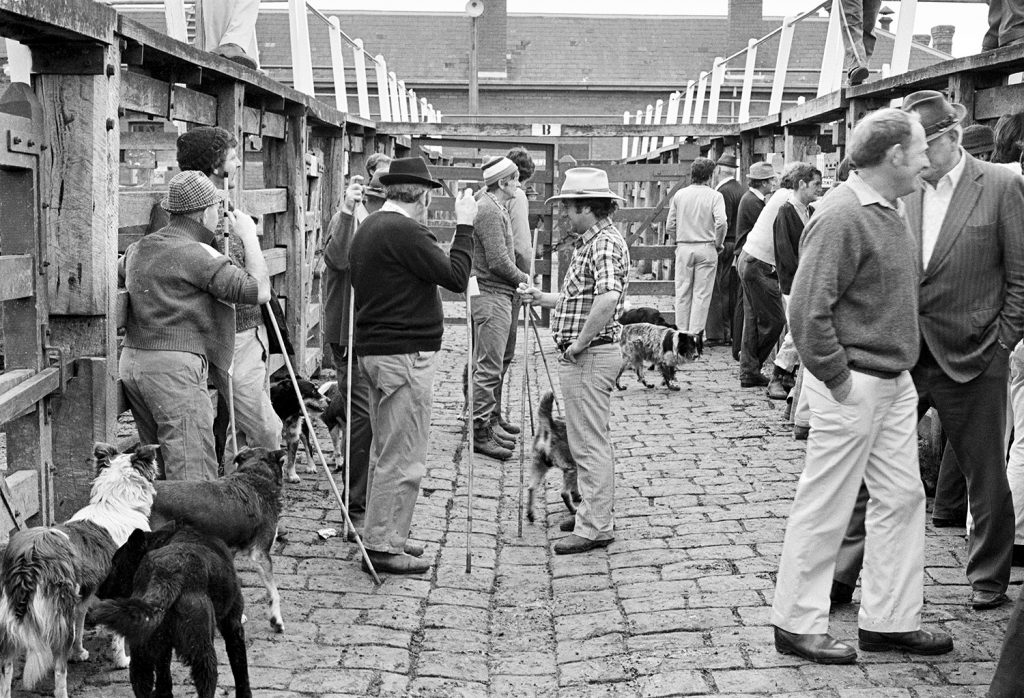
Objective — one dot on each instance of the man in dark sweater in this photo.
(727, 283)
(397, 266)
(854, 312)
(760, 184)
(177, 326)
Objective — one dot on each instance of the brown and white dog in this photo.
(293, 429)
(666, 349)
(242, 509)
(50, 574)
(551, 450)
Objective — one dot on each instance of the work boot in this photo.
(776, 389)
(508, 427)
(502, 436)
(485, 444)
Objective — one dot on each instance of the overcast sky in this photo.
(969, 18)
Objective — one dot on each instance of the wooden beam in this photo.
(996, 101)
(260, 202)
(72, 19)
(144, 94)
(277, 260)
(826, 108)
(17, 276)
(650, 252)
(193, 107)
(23, 397)
(652, 288)
(149, 140)
(513, 130)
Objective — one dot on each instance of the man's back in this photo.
(696, 213)
(732, 191)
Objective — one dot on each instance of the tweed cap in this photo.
(497, 169)
(761, 170)
(190, 191)
(979, 139)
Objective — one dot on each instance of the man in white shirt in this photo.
(697, 222)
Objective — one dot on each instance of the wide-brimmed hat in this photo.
(375, 188)
(979, 138)
(497, 169)
(409, 171)
(938, 115)
(727, 161)
(761, 170)
(585, 183)
(190, 191)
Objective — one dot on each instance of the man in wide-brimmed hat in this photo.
(396, 268)
(761, 179)
(586, 332)
(177, 325)
(966, 218)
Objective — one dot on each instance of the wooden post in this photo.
(625, 139)
(426, 110)
(302, 61)
(832, 56)
(748, 81)
(904, 37)
(79, 188)
(645, 145)
(338, 66)
(230, 100)
(717, 78)
(688, 102)
(636, 139)
(362, 90)
(672, 117)
(698, 107)
(383, 93)
(174, 14)
(781, 65)
(403, 99)
(414, 110)
(19, 58)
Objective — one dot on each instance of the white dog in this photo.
(50, 575)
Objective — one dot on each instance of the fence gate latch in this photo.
(55, 357)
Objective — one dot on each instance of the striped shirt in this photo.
(599, 264)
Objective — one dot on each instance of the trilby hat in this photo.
(585, 183)
(190, 191)
(938, 115)
(761, 170)
(409, 171)
(727, 161)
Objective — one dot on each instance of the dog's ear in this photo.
(136, 540)
(103, 453)
(242, 456)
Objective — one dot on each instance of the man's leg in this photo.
(769, 312)
(231, 22)
(1011, 25)
(870, 17)
(1015, 464)
(724, 285)
(1008, 681)
(705, 261)
(587, 389)
(893, 579)
(749, 366)
(837, 454)
(684, 286)
(492, 318)
(506, 360)
(851, 25)
(995, 18)
(254, 414)
(401, 398)
(950, 503)
(130, 368)
(361, 431)
(851, 553)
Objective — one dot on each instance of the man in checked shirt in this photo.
(584, 328)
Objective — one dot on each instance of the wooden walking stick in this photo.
(471, 290)
(348, 399)
(319, 452)
(522, 411)
(544, 358)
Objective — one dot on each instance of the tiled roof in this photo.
(431, 49)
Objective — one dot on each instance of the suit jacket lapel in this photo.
(965, 196)
(913, 207)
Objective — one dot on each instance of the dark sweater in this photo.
(746, 216)
(855, 295)
(176, 282)
(397, 265)
(788, 227)
(732, 191)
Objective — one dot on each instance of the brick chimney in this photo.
(942, 37)
(923, 39)
(492, 39)
(885, 18)
(744, 23)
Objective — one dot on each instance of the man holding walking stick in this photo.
(584, 328)
(397, 266)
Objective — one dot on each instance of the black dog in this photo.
(293, 428)
(649, 315)
(168, 589)
(551, 450)
(241, 509)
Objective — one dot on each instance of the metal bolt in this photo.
(30, 143)
(16, 140)
(111, 124)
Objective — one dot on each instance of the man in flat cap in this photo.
(177, 325)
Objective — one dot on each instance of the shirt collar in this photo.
(592, 231)
(954, 175)
(394, 208)
(799, 205)
(757, 193)
(724, 180)
(192, 228)
(866, 194)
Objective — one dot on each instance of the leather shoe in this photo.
(1018, 556)
(801, 433)
(985, 600)
(757, 381)
(842, 593)
(508, 427)
(393, 563)
(572, 544)
(821, 648)
(939, 522)
(568, 525)
(914, 642)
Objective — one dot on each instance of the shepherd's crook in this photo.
(348, 399)
(522, 410)
(320, 453)
(469, 426)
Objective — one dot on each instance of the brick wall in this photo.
(745, 23)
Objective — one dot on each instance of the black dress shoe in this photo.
(568, 525)
(393, 563)
(858, 75)
(914, 642)
(1018, 556)
(758, 381)
(842, 593)
(572, 544)
(823, 648)
(939, 522)
(984, 600)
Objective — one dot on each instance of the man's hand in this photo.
(353, 195)
(529, 294)
(243, 225)
(572, 351)
(842, 391)
(465, 207)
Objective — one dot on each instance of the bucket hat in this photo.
(727, 161)
(409, 171)
(761, 170)
(978, 139)
(938, 115)
(585, 183)
(190, 191)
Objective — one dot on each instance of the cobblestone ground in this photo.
(678, 605)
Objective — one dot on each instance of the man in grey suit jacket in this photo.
(967, 216)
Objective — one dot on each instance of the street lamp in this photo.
(474, 8)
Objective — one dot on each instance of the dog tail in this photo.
(134, 618)
(38, 596)
(546, 403)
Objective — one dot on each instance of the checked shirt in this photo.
(600, 263)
